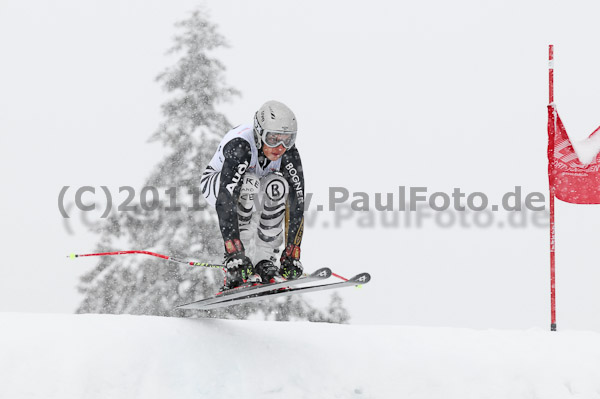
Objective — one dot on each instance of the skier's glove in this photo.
(236, 259)
(291, 267)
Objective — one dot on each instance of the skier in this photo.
(255, 181)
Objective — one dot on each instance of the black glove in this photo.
(291, 267)
(239, 266)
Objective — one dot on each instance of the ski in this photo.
(359, 279)
(244, 291)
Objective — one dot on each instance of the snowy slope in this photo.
(102, 356)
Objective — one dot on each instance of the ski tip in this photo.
(71, 256)
(360, 279)
(323, 272)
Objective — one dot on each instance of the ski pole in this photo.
(170, 258)
(340, 277)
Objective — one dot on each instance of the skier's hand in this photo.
(239, 270)
(236, 258)
(291, 267)
(238, 261)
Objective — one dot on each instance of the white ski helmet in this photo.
(275, 124)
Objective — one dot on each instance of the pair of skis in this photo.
(261, 292)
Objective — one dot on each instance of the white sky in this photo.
(430, 94)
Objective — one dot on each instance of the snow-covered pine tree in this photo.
(191, 131)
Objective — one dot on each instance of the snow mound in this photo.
(103, 356)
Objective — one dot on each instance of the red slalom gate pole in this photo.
(551, 132)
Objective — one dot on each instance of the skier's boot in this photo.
(240, 273)
(268, 272)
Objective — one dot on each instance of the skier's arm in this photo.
(291, 166)
(237, 154)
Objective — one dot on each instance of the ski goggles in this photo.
(274, 138)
